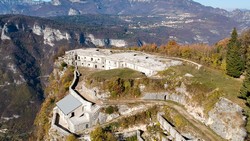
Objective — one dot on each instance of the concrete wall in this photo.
(80, 127)
(169, 128)
(53, 122)
(165, 96)
(78, 112)
(99, 62)
(112, 64)
(91, 62)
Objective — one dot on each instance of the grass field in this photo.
(210, 79)
(120, 73)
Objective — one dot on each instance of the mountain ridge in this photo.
(29, 45)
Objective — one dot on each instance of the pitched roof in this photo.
(68, 104)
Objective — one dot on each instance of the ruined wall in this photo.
(169, 128)
(165, 96)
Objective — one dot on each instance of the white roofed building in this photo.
(112, 59)
(73, 113)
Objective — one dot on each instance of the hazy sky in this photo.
(225, 4)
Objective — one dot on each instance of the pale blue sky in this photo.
(225, 4)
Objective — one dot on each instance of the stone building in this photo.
(107, 59)
(73, 113)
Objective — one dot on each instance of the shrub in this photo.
(111, 109)
(63, 64)
(71, 138)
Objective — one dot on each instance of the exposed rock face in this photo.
(118, 43)
(50, 35)
(3, 34)
(227, 120)
(56, 2)
(106, 42)
(97, 42)
(73, 12)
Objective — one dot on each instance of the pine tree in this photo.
(245, 89)
(234, 61)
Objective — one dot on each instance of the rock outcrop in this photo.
(3, 33)
(56, 2)
(227, 120)
(50, 35)
(106, 42)
(73, 12)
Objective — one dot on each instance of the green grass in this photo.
(120, 73)
(209, 80)
(175, 118)
(211, 100)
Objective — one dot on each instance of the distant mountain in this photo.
(183, 20)
(28, 45)
(113, 7)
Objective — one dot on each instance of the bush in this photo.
(63, 64)
(100, 134)
(71, 138)
(111, 109)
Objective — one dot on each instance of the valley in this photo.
(183, 75)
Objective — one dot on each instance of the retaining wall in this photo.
(169, 128)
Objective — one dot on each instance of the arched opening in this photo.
(96, 66)
(165, 97)
(87, 126)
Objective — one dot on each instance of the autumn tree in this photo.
(234, 60)
(100, 134)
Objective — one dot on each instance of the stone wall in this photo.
(169, 128)
(179, 98)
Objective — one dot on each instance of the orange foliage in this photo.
(202, 53)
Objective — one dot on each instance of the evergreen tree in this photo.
(245, 89)
(234, 61)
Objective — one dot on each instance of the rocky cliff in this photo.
(28, 47)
